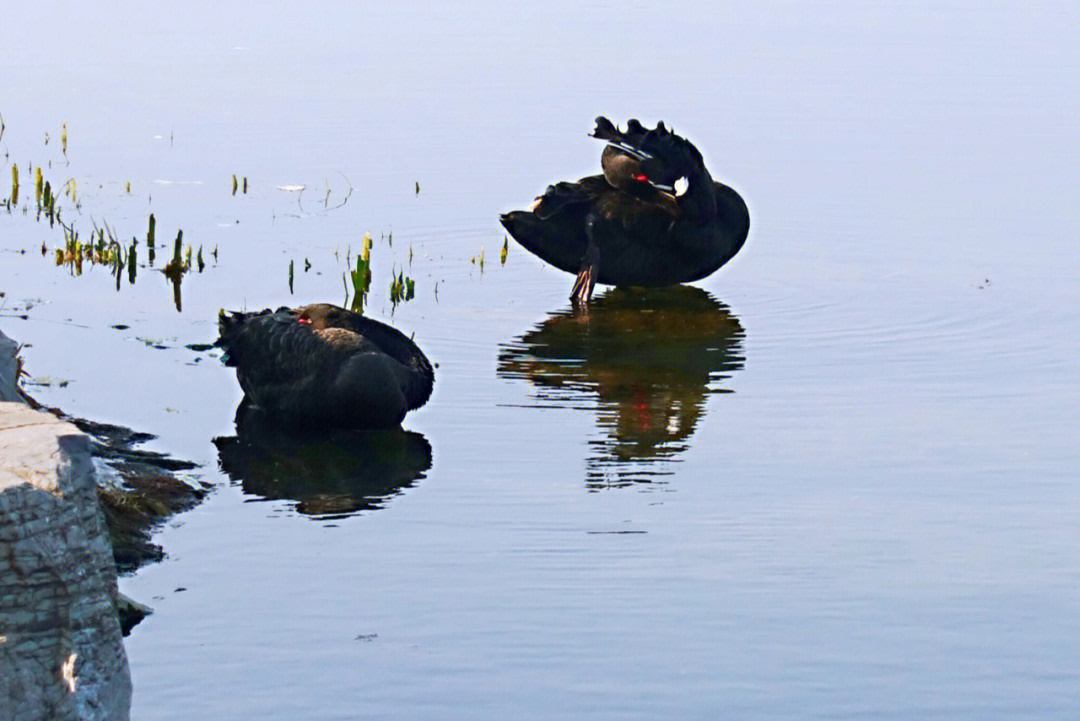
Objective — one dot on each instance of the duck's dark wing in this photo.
(418, 372)
(273, 353)
(555, 229)
(567, 197)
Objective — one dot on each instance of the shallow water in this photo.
(837, 480)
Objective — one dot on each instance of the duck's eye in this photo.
(681, 186)
(304, 321)
(641, 178)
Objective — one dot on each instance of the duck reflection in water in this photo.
(645, 359)
(331, 474)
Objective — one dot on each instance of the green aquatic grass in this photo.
(402, 288)
(100, 246)
(360, 277)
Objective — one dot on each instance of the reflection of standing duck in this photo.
(336, 473)
(648, 357)
(324, 366)
(654, 218)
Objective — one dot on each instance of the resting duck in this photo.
(654, 217)
(322, 366)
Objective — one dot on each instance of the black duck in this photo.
(321, 366)
(655, 216)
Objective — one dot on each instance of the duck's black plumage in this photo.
(323, 366)
(654, 217)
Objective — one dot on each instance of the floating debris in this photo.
(235, 185)
(155, 343)
(63, 139)
(46, 381)
(418, 187)
(502, 253)
(291, 270)
(14, 184)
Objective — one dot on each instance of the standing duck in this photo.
(321, 366)
(655, 216)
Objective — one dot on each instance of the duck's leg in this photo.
(590, 265)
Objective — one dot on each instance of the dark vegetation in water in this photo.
(145, 491)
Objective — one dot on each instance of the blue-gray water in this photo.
(853, 495)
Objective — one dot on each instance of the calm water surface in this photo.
(837, 480)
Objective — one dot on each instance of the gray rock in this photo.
(9, 369)
(61, 652)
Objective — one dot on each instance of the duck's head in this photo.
(623, 169)
(320, 316)
(641, 157)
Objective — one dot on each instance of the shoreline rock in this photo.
(77, 502)
(61, 650)
(10, 368)
(138, 490)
